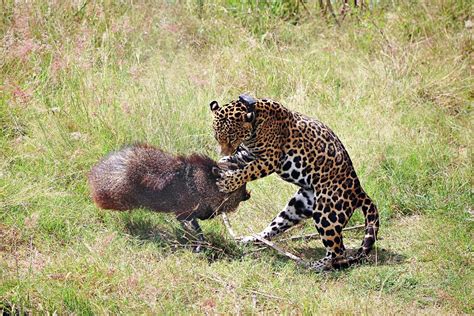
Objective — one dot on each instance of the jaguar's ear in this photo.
(249, 117)
(214, 106)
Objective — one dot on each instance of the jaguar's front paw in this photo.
(247, 239)
(227, 182)
(225, 159)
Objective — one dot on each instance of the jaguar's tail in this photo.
(372, 222)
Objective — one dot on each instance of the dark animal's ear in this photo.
(214, 105)
(216, 171)
(249, 117)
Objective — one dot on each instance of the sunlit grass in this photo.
(79, 80)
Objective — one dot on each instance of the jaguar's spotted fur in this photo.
(267, 137)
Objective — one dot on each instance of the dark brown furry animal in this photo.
(142, 176)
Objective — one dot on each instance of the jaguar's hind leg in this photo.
(330, 217)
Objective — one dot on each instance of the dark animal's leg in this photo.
(298, 208)
(192, 227)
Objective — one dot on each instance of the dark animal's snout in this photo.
(246, 196)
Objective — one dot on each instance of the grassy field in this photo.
(83, 78)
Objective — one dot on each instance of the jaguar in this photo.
(264, 137)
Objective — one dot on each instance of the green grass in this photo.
(79, 80)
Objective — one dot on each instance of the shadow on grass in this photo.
(173, 238)
(385, 257)
(378, 256)
(146, 230)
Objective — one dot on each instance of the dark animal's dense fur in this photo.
(144, 176)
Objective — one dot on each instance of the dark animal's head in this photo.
(205, 175)
(232, 123)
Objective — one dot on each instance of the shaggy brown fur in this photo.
(145, 176)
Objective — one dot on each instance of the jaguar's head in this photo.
(232, 123)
